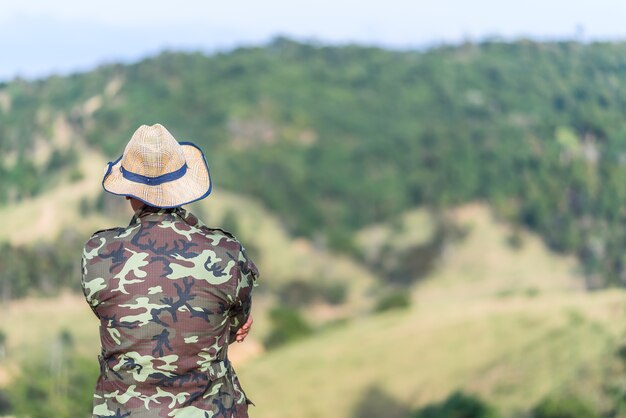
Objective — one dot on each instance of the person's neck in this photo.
(136, 204)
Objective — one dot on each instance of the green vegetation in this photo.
(287, 326)
(3, 343)
(336, 138)
(396, 299)
(61, 385)
(376, 403)
(563, 407)
(5, 404)
(403, 265)
(42, 269)
(460, 405)
(301, 293)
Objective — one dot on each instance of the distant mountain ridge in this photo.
(336, 138)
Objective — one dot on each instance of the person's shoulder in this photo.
(218, 232)
(220, 237)
(217, 235)
(227, 241)
(104, 234)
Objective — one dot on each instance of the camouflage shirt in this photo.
(170, 294)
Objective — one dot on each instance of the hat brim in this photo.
(194, 185)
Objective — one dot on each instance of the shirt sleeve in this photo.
(247, 280)
(90, 286)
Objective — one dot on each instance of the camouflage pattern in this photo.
(170, 294)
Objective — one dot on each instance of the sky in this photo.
(42, 37)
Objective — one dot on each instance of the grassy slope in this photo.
(474, 326)
(484, 265)
(510, 353)
(45, 216)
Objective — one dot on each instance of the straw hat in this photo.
(158, 170)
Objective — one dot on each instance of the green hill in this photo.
(511, 325)
(336, 138)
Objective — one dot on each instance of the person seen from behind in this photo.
(171, 293)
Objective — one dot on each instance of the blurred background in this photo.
(434, 192)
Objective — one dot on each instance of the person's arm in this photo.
(89, 286)
(240, 319)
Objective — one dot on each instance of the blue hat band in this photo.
(154, 181)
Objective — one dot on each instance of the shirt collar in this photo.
(155, 214)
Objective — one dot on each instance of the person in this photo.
(171, 293)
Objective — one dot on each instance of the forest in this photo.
(336, 138)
